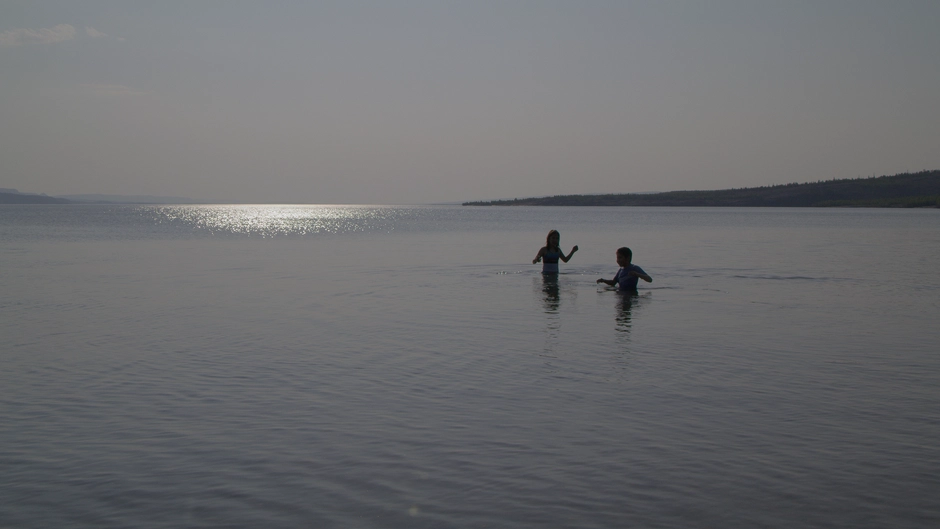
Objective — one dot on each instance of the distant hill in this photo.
(12, 196)
(901, 190)
(131, 199)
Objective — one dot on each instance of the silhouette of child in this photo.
(628, 275)
(551, 253)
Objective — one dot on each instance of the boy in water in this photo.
(627, 276)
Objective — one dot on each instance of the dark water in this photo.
(276, 366)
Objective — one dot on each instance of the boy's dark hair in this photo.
(626, 252)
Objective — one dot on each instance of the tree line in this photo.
(921, 189)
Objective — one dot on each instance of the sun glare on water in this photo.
(279, 220)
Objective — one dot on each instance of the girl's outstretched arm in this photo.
(538, 257)
(573, 250)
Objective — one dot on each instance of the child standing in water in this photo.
(629, 274)
(551, 253)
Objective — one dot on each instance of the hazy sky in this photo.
(415, 102)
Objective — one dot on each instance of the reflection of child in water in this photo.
(551, 253)
(629, 273)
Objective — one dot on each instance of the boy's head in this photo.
(624, 256)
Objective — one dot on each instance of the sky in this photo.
(379, 102)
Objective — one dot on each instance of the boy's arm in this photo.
(642, 275)
(609, 282)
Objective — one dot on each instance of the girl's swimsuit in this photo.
(550, 262)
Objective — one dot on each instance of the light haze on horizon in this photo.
(420, 102)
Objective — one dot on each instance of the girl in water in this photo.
(551, 253)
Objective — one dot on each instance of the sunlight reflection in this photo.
(277, 220)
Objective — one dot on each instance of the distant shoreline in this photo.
(905, 190)
(12, 196)
(29, 198)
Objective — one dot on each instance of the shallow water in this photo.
(333, 366)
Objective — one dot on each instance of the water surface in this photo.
(340, 366)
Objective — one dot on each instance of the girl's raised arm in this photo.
(564, 258)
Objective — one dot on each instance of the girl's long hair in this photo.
(548, 238)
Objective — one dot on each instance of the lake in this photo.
(380, 366)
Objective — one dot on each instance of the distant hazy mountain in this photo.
(12, 196)
(132, 199)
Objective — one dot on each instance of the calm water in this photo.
(278, 366)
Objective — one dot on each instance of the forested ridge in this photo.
(920, 189)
